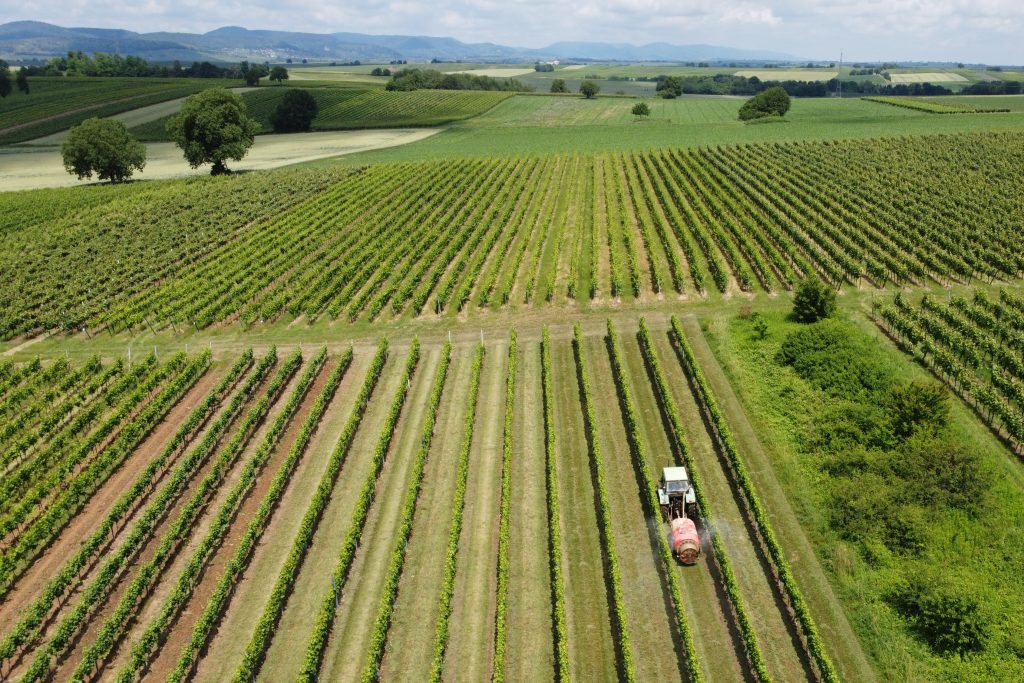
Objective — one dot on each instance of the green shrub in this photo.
(836, 357)
(813, 301)
(919, 406)
(769, 102)
(950, 619)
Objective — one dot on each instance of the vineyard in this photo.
(975, 345)
(427, 239)
(936, 107)
(169, 520)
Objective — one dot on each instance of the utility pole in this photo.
(839, 80)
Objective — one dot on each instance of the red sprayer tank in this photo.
(684, 540)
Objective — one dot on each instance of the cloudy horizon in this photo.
(980, 31)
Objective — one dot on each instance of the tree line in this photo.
(431, 79)
(728, 84)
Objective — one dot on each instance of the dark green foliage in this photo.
(22, 81)
(279, 73)
(589, 89)
(252, 73)
(212, 127)
(295, 113)
(834, 356)
(950, 618)
(641, 109)
(769, 102)
(558, 86)
(942, 472)
(104, 147)
(670, 87)
(919, 406)
(884, 444)
(431, 79)
(5, 79)
(813, 301)
(543, 68)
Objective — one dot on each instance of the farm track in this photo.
(347, 647)
(32, 583)
(782, 649)
(592, 651)
(657, 651)
(530, 656)
(181, 632)
(225, 649)
(848, 656)
(409, 645)
(471, 644)
(285, 654)
(170, 571)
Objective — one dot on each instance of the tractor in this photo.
(678, 503)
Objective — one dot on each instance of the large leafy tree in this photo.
(769, 102)
(213, 127)
(295, 113)
(104, 147)
(279, 73)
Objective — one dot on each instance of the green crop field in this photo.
(534, 124)
(355, 107)
(55, 104)
(404, 415)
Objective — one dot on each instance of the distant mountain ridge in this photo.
(34, 39)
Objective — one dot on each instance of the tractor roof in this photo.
(674, 474)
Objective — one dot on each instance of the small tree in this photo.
(814, 300)
(558, 86)
(104, 147)
(5, 79)
(640, 109)
(589, 89)
(279, 73)
(212, 127)
(22, 80)
(295, 113)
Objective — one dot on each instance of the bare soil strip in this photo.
(657, 648)
(848, 656)
(346, 651)
(224, 653)
(591, 643)
(780, 647)
(529, 650)
(409, 648)
(471, 647)
(284, 658)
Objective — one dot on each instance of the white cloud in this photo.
(966, 30)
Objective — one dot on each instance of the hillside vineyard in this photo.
(434, 238)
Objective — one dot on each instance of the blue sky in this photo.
(989, 31)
